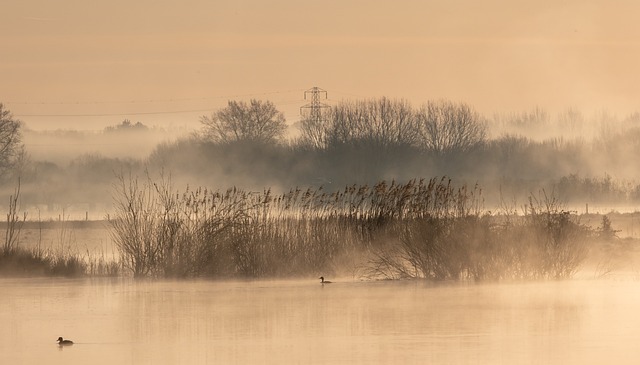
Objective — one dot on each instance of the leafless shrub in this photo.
(162, 233)
(14, 222)
(558, 236)
(463, 244)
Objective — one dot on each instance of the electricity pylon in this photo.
(315, 107)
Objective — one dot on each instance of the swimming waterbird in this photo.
(63, 342)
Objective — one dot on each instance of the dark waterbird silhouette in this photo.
(322, 281)
(63, 342)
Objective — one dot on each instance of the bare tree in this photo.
(11, 148)
(313, 131)
(391, 123)
(381, 122)
(446, 126)
(257, 121)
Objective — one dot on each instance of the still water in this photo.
(303, 322)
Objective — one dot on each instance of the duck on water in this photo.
(322, 281)
(63, 342)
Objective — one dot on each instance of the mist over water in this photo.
(582, 321)
(302, 321)
(476, 165)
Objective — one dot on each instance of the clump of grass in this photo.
(66, 265)
(100, 265)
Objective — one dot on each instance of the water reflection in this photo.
(285, 322)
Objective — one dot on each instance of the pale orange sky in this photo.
(122, 59)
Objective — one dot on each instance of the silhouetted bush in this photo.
(545, 243)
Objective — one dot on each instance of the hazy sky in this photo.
(121, 59)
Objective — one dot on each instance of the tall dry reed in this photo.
(422, 228)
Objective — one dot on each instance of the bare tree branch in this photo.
(11, 148)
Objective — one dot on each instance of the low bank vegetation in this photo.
(16, 260)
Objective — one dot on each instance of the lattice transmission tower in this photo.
(313, 110)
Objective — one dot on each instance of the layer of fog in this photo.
(74, 169)
(62, 146)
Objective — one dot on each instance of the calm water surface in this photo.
(303, 322)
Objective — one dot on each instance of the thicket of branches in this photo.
(437, 126)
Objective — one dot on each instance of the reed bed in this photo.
(420, 229)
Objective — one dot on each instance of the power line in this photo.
(288, 102)
(156, 112)
(348, 94)
(115, 114)
(147, 101)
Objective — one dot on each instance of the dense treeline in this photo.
(586, 161)
(365, 141)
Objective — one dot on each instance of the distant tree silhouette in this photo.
(257, 121)
(11, 147)
(446, 126)
(126, 125)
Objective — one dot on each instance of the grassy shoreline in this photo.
(603, 259)
(57, 224)
(421, 229)
(618, 220)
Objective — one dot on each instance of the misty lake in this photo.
(122, 321)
